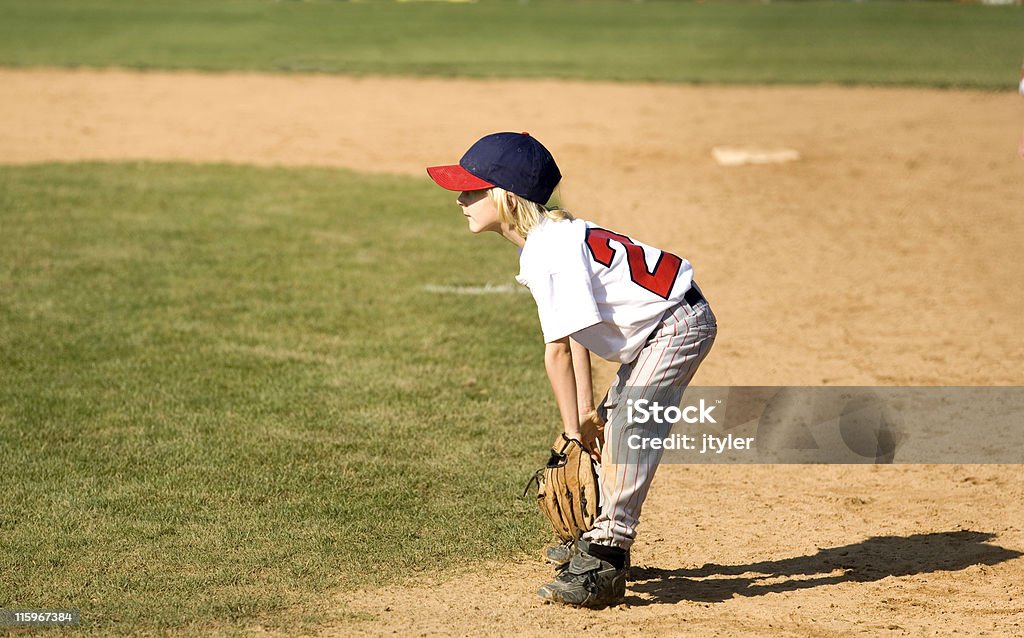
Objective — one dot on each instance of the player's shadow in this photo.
(871, 559)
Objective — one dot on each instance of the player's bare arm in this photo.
(584, 383)
(558, 363)
(591, 425)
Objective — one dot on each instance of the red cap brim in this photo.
(456, 178)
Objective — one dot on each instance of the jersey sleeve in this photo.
(564, 293)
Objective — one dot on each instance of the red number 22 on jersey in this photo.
(659, 281)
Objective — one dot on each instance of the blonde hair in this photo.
(520, 214)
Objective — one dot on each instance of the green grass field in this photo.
(226, 392)
(911, 43)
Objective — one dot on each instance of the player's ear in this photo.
(510, 199)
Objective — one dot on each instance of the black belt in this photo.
(693, 296)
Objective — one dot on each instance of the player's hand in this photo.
(592, 433)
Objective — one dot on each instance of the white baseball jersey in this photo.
(608, 291)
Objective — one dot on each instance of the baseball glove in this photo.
(567, 489)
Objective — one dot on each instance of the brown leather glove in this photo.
(567, 489)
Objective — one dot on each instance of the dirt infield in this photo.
(888, 254)
(769, 551)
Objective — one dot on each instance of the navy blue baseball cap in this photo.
(513, 161)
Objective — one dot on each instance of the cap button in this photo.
(526, 133)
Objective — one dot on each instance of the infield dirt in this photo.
(888, 255)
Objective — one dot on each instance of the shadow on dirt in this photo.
(869, 560)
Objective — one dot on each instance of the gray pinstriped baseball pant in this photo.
(660, 373)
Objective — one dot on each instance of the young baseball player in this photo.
(596, 291)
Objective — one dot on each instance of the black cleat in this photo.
(588, 581)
